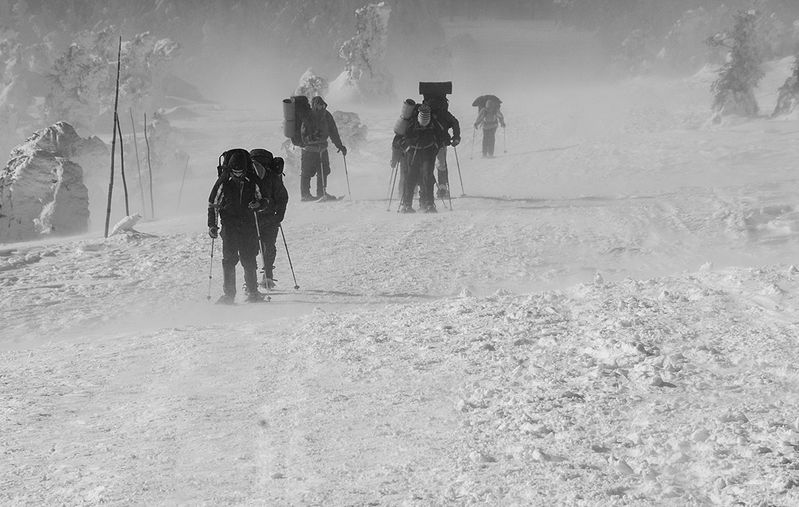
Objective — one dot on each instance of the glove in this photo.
(254, 205)
(213, 232)
(343, 150)
(455, 141)
(476, 125)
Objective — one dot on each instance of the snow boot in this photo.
(255, 297)
(443, 191)
(405, 208)
(224, 299)
(429, 208)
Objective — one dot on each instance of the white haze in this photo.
(608, 318)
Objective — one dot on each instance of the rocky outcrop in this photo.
(42, 189)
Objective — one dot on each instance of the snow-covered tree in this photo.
(311, 85)
(733, 90)
(83, 78)
(365, 75)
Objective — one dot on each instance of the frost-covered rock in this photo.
(365, 76)
(311, 85)
(352, 131)
(42, 189)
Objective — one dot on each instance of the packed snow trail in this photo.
(610, 318)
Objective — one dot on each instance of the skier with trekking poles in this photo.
(236, 200)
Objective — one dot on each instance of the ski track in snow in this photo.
(608, 317)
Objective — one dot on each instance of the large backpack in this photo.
(295, 110)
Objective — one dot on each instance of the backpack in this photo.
(295, 110)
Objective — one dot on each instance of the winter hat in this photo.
(237, 164)
(424, 115)
(318, 101)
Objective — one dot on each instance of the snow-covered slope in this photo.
(609, 316)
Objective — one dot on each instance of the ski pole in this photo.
(455, 149)
(289, 257)
(211, 269)
(347, 174)
(392, 181)
(260, 241)
(182, 180)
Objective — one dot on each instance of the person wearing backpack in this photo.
(316, 128)
(445, 121)
(235, 198)
(490, 117)
(270, 170)
(420, 144)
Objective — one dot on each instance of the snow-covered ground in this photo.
(609, 316)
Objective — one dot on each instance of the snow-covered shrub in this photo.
(311, 85)
(365, 75)
(788, 93)
(684, 46)
(83, 78)
(733, 90)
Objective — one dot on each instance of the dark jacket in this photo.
(446, 121)
(316, 127)
(230, 198)
(275, 191)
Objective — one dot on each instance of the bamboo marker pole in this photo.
(122, 166)
(149, 167)
(114, 140)
(138, 164)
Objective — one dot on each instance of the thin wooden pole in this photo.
(113, 141)
(138, 164)
(149, 167)
(182, 180)
(122, 166)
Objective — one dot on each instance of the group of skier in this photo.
(422, 135)
(249, 199)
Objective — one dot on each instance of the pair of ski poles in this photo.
(260, 245)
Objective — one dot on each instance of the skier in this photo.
(236, 197)
(421, 143)
(315, 130)
(270, 170)
(408, 180)
(445, 121)
(490, 117)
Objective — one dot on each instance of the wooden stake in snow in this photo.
(183, 179)
(138, 164)
(113, 141)
(122, 165)
(149, 167)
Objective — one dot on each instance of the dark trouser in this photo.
(409, 179)
(422, 162)
(310, 163)
(269, 230)
(441, 166)
(489, 136)
(239, 243)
